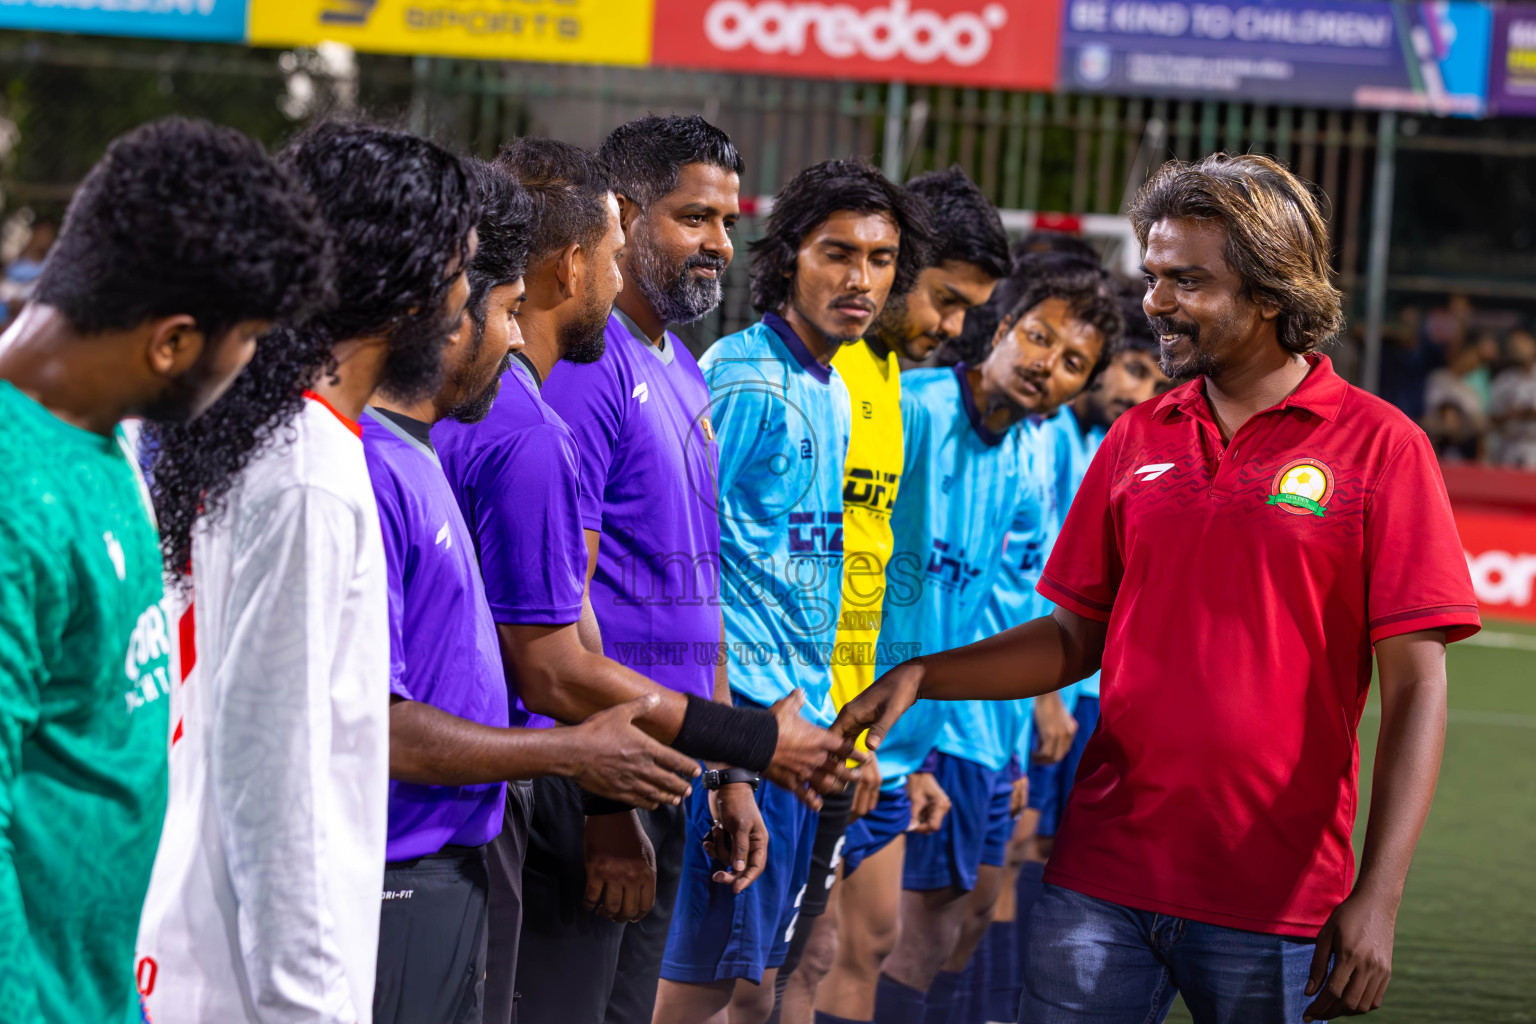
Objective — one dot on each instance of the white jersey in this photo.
(264, 903)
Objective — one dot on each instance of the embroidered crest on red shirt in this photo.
(1302, 488)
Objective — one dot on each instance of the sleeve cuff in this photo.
(518, 616)
(1458, 621)
(1073, 601)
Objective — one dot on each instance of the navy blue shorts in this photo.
(879, 828)
(975, 831)
(717, 934)
(1049, 784)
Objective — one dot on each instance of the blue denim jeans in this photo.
(1095, 962)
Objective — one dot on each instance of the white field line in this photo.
(1509, 719)
(1508, 641)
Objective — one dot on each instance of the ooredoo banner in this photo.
(953, 42)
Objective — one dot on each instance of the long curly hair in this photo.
(399, 210)
(1277, 236)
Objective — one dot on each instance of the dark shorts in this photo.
(975, 831)
(432, 939)
(575, 967)
(1049, 784)
(718, 934)
(879, 828)
(504, 864)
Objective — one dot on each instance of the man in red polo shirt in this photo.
(1238, 549)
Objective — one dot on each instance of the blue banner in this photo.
(1425, 57)
(208, 20)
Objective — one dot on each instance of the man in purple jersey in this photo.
(589, 863)
(640, 416)
(450, 748)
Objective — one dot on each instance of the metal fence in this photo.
(1072, 154)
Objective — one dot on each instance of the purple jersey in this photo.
(442, 641)
(640, 416)
(518, 482)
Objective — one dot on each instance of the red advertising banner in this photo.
(1501, 552)
(987, 43)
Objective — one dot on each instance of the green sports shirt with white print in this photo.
(84, 716)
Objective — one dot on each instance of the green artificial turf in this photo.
(1466, 934)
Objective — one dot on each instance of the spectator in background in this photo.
(1489, 354)
(1455, 437)
(21, 276)
(1407, 359)
(1513, 406)
(1446, 327)
(1457, 417)
(1456, 383)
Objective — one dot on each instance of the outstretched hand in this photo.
(878, 707)
(809, 760)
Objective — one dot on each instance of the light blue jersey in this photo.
(1075, 449)
(781, 423)
(959, 484)
(1032, 532)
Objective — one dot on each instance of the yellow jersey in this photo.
(871, 476)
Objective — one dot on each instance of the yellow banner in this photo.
(563, 31)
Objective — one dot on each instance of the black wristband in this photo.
(715, 778)
(744, 737)
(593, 805)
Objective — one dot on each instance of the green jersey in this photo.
(84, 716)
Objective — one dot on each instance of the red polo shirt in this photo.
(1243, 585)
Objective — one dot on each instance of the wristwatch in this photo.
(717, 777)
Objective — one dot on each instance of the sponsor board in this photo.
(1501, 555)
(208, 20)
(1512, 64)
(988, 43)
(562, 31)
(1423, 57)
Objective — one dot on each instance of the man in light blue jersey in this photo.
(839, 241)
(848, 944)
(1131, 377)
(975, 464)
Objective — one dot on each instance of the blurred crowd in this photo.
(24, 243)
(1469, 377)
